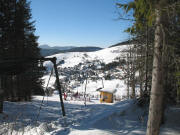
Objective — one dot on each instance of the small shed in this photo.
(106, 95)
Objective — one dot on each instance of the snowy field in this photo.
(120, 118)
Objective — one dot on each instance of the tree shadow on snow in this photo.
(110, 118)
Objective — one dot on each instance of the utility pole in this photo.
(58, 85)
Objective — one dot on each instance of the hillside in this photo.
(106, 55)
(101, 68)
(128, 42)
(46, 50)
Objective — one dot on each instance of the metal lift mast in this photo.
(10, 63)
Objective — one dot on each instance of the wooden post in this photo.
(58, 85)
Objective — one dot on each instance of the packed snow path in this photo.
(121, 118)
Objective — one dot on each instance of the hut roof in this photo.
(109, 90)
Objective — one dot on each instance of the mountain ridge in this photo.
(47, 50)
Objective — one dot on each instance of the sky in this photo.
(78, 22)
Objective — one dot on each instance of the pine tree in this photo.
(154, 14)
(17, 41)
(27, 47)
(6, 20)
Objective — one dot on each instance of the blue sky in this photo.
(78, 22)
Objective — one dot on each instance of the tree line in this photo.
(155, 55)
(18, 79)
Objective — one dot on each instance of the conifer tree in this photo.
(17, 41)
(154, 14)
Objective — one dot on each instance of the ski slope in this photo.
(106, 55)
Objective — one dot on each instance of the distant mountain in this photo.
(46, 50)
(44, 47)
(56, 47)
(128, 42)
(84, 49)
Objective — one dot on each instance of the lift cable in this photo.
(44, 95)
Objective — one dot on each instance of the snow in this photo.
(51, 81)
(71, 59)
(122, 118)
(106, 55)
(109, 85)
(119, 118)
(109, 90)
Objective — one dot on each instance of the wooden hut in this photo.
(106, 95)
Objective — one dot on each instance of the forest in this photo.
(19, 78)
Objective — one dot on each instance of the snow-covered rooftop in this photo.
(109, 90)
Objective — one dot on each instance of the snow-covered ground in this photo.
(92, 86)
(120, 118)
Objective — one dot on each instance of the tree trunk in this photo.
(178, 85)
(178, 95)
(155, 108)
(85, 91)
(133, 85)
(146, 59)
(141, 75)
(1, 97)
(1, 104)
(128, 76)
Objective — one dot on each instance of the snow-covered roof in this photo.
(109, 90)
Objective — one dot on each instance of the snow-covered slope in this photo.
(106, 55)
(72, 59)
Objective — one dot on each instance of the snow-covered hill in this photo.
(76, 64)
(106, 55)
